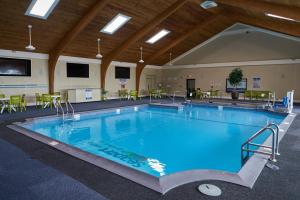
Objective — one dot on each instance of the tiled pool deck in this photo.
(32, 170)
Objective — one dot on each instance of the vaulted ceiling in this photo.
(47, 33)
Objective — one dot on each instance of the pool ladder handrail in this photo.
(71, 107)
(58, 105)
(274, 147)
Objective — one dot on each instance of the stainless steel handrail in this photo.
(72, 108)
(274, 147)
(277, 137)
(58, 105)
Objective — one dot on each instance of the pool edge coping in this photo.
(247, 175)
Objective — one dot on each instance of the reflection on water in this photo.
(157, 166)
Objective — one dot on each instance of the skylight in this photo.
(280, 17)
(158, 36)
(117, 22)
(41, 8)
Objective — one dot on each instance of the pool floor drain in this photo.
(272, 166)
(209, 190)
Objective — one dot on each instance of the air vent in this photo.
(208, 4)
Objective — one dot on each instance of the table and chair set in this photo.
(18, 102)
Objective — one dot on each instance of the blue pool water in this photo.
(161, 141)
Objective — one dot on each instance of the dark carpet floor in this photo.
(31, 170)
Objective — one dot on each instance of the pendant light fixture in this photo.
(99, 56)
(141, 60)
(30, 47)
(170, 62)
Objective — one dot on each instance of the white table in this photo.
(4, 105)
(54, 100)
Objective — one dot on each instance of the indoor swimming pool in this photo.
(161, 141)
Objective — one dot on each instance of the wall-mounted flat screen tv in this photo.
(77, 70)
(242, 87)
(15, 67)
(122, 72)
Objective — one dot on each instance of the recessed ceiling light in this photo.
(280, 17)
(41, 8)
(117, 22)
(158, 36)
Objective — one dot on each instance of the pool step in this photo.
(177, 106)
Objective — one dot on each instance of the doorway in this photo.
(191, 87)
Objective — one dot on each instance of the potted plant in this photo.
(235, 78)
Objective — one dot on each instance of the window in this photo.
(116, 23)
(41, 8)
(158, 36)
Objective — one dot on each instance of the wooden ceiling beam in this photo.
(107, 59)
(291, 29)
(69, 36)
(174, 43)
(264, 7)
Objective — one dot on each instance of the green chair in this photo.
(153, 93)
(2, 96)
(123, 94)
(199, 94)
(133, 94)
(47, 101)
(38, 100)
(104, 94)
(14, 103)
(163, 93)
(214, 93)
(23, 103)
(158, 92)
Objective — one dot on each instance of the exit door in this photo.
(190, 87)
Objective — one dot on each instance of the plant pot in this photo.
(235, 95)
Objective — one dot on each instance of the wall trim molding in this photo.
(79, 60)
(227, 32)
(236, 64)
(153, 67)
(22, 54)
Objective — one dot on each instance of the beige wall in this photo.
(62, 82)
(38, 82)
(153, 73)
(255, 46)
(113, 85)
(278, 78)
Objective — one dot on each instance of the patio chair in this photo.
(123, 94)
(2, 104)
(23, 103)
(153, 93)
(14, 102)
(282, 105)
(47, 101)
(38, 100)
(214, 93)
(199, 94)
(133, 94)
(104, 94)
